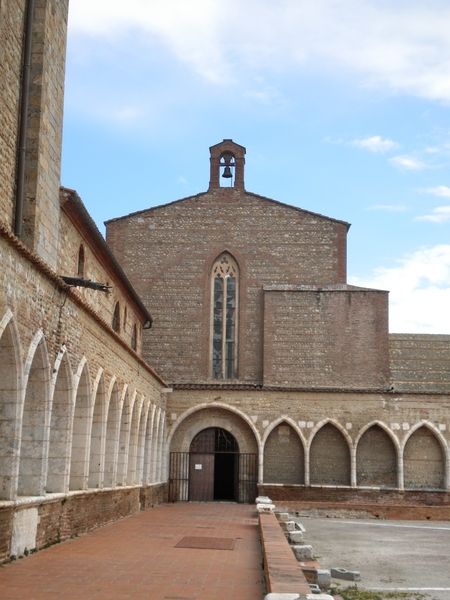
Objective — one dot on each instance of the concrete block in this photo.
(299, 526)
(339, 573)
(323, 579)
(24, 531)
(302, 552)
(315, 589)
(295, 537)
(288, 525)
(282, 596)
(282, 516)
(319, 577)
(263, 500)
(265, 508)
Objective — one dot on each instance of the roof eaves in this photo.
(70, 197)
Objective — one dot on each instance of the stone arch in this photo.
(124, 435)
(148, 452)
(226, 408)
(10, 392)
(80, 428)
(35, 419)
(284, 454)
(133, 439)
(160, 458)
(97, 435)
(377, 452)
(155, 440)
(329, 455)
(61, 410)
(112, 434)
(183, 481)
(142, 439)
(425, 458)
(213, 415)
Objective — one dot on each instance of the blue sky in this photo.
(343, 106)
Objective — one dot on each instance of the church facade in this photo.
(261, 337)
(208, 349)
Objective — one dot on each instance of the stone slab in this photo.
(265, 508)
(263, 500)
(288, 525)
(302, 551)
(295, 537)
(282, 516)
(282, 596)
(339, 573)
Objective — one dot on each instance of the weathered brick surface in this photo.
(329, 338)
(377, 459)
(420, 362)
(6, 520)
(284, 456)
(73, 515)
(433, 506)
(168, 253)
(73, 235)
(333, 427)
(11, 30)
(44, 132)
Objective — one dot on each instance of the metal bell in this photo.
(227, 172)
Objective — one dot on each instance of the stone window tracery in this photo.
(225, 283)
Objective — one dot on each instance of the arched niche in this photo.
(376, 459)
(423, 461)
(284, 456)
(329, 457)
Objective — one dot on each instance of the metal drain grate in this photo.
(206, 543)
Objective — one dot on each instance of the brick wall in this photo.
(420, 362)
(326, 338)
(63, 518)
(168, 253)
(376, 459)
(339, 432)
(44, 132)
(96, 269)
(284, 457)
(11, 31)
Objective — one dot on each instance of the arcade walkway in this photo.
(137, 558)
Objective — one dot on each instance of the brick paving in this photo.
(137, 558)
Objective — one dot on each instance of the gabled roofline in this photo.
(73, 206)
(233, 191)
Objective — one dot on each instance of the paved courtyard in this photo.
(138, 558)
(391, 555)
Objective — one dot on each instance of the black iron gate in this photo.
(181, 464)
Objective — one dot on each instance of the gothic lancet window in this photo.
(81, 261)
(116, 318)
(225, 282)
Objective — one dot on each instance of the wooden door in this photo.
(201, 477)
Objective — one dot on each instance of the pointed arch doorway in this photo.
(213, 466)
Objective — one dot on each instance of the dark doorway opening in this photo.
(213, 468)
(225, 476)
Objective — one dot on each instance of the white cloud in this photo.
(419, 286)
(440, 214)
(402, 46)
(408, 163)
(389, 207)
(441, 191)
(375, 143)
